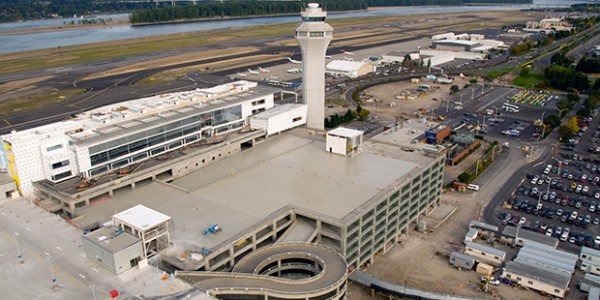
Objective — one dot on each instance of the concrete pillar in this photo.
(133, 186)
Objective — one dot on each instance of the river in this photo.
(79, 36)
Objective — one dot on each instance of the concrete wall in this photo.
(336, 144)
(122, 259)
(7, 189)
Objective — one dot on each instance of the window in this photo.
(61, 175)
(313, 19)
(530, 282)
(258, 102)
(317, 34)
(297, 119)
(55, 147)
(556, 291)
(60, 164)
(254, 111)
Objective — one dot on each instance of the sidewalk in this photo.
(45, 239)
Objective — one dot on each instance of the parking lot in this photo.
(490, 111)
(560, 198)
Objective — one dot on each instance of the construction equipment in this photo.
(212, 229)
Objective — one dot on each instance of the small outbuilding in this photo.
(113, 249)
(344, 141)
(462, 261)
(148, 225)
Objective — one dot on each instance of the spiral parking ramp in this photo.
(280, 271)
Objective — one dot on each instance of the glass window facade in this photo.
(313, 19)
(160, 139)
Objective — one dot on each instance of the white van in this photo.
(473, 187)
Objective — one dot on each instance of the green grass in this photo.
(159, 78)
(498, 72)
(38, 101)
(526, 81)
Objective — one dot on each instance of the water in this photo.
(43, 40)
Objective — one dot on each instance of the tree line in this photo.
(15, 10)
(251, 8)
(235, 9)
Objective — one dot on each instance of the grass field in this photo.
(526, 81)
(37, 101)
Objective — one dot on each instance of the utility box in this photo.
(484, 269)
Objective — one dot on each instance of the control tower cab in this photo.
(314, 35)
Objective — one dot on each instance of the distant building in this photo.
(349, 68)
(516, 36)
(550, 23)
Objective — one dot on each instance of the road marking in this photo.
(81, 275)
(59, 249)
(94, 269)
(28, 229)
(6, 121)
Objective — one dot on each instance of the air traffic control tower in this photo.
(314, 35)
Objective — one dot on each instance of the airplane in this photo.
(252, 72)
(264, 70)
(242, 74)
(347, 52)
(294, 61)
(294, 71)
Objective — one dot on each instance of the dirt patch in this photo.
(406, 99)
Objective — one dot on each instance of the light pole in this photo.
(19, 255)
(92, 286)
(472, 93)
(52, 272)
(543, 126)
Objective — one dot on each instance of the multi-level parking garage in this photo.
(281, 271)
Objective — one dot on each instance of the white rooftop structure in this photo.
(141, 217)
(349, 68)
(345, 132)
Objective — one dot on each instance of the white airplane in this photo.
(264, 70)
(252, 72)
(347, 52)
(242, 74)
(294, 61)
(294, 71)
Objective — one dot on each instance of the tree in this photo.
(568, 130)
(454, 89)
(363, 114)
(473, 81)
(552, 121)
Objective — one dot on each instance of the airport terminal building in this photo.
(120, 136)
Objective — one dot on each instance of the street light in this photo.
(92, 286)
(52, 271)
(19, 255)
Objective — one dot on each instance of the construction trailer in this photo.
(485, 253)
(589, 281)
(590, 260)
(462, 261)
